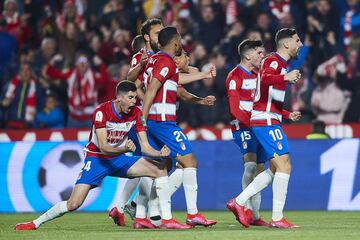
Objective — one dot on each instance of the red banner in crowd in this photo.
(204, 133)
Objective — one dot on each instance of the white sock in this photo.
(143, 196)
(125, 195)
(56, 211)
(280, 185)
(154, 208)
(248, 176)
(190, 189)
(175, 180)
(163, 191)
(259, 183)
(255, 202)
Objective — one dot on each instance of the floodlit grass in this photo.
(314, 225)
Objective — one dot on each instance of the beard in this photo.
(154, 46)
(178, 51)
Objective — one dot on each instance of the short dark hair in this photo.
(125, 86)
(137, 43)
(248, 44)
(166, 35)
(146, 26)
(284, 33)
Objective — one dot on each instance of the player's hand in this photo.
(130, 146)
(295, 116)
(208, 101)
(56, 58)
(211, 73)
(164, 151)
(293, 76)
(144, 59)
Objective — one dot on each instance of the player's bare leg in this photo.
(149, 168)
(189, 164)
(282, 165)
(75, 201)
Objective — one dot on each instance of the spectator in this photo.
(23, 98)
(318, 131)
(82, 89)
(328, 102)
(52, 116)
(69, 43)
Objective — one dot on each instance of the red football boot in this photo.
(282, 223)
(238, 211)
(248, 214)
(198, 220)
(25, 226)
(259, 222)
(141, 223)
(118, 217)
(173, 224)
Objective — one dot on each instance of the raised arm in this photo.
(188, 97)
(185, 78)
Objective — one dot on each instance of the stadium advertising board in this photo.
(36, 175)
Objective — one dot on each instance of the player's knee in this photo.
(73, 205)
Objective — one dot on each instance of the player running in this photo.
(160, 111)
(241, 86)
(265, 120)
(105, 155)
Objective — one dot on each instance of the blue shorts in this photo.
(96, 169)
(169, 134)
(248, 143)
(272, 139)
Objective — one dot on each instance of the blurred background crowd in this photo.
(59, 59)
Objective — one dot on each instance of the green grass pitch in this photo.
(314, 225)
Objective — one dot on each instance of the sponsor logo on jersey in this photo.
(232, 85)
(143, 122)
(164, 71)
(280, 147)
(274, 65)
(99, 116)
(245, 145)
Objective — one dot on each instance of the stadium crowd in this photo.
(59, 59)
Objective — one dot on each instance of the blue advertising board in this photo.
(325, 176)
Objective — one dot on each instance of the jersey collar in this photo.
(244, 70)
(165, 53)
(281, 58)
(114, 110)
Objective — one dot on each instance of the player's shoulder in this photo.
(235, 74)
(103, 106)
(271, 61)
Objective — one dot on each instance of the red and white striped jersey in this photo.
(117, 127)
(270, 92)
(162, 67)
(240, 87)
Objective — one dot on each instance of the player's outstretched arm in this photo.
(107, 149)
(185, 78)
(188, 97)
(148, 150)
(150, 95)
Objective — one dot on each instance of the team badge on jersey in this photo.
(182, 146)
(280, 147)
(245, 145)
